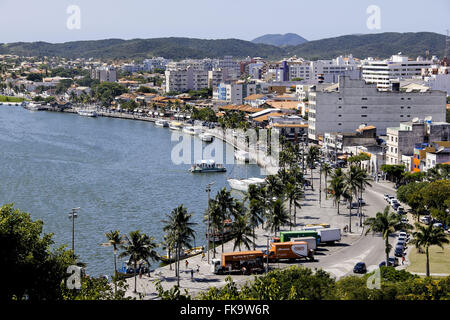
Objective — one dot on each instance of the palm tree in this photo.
(138, 246)
(179, 227)
(386, 223)
(311, 157)
(426, 236)
(294, 193)
(214, 214)
(256, 207)
(337, 187)
(115, 239)
(326, 169)
(363, 181)
(242, 231)
(351, 182)
(278, 216)
(225, 202)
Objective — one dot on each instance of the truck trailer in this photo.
(329, 235)
(311, 241)
(286, 236)
(289, 251)
(245, 262)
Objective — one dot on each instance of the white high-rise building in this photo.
(382, 72)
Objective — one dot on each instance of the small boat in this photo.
(162, 123)
(187, 253)
(191, 130)
(87, 113)
(174, 125)
(243, 184)
(206, 137)
(204, 166)
(33, 107)
(242, 155)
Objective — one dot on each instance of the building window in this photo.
(364, 116)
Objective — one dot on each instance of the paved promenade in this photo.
(338, 259)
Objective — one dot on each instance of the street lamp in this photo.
(73, 215)
(208, 190)
(267, 255)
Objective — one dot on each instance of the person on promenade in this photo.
(192, 274)
(186, 263)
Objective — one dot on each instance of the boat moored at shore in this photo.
(243, 184)
(87, 112)
(206, 137)
(205, 166)
(162, 123)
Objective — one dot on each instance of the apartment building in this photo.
(233, 93)
(345, 106)
(382, 72)
(402, 140)
(181, 80)
(103, 74)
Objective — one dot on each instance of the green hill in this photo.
(380, 45)
(280, 40)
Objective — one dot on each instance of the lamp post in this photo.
(208, 190)
(73, 215)
(267, 255)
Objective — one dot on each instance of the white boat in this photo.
(204, 166)
(243, 184)
(33, 107)
(87, 112)
(206, 137)
(174, 125)
(242, 155)
(162, 123)
(191, 130)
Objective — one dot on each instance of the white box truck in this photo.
(311, 241)
(329, 235)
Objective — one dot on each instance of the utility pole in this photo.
(73, 215)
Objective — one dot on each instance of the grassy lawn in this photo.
(439, 260)
(10, 99)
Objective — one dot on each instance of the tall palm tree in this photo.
(337, 187)
(326, 169)
(311, 157)
(426, 236)
(278, 216)
(386, 223)
(363, 179)
(256, 207)
(214, 214)
(294, 193)
(352, 182)
(115, 239)
(242, 231)
(139, 247)
(179, 226)
(226, 203)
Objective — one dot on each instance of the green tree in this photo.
(278, 216)
(386, 223)
(115, 239)
(34, 271)
(138, 247)
(426, 236)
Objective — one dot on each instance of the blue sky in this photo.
(46, 20)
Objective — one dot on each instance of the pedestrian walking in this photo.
(203, 255)
(403, 260)
(186, 264)
(192, 274)
(198, 268)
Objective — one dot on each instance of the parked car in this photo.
(398, 252)
(425, 219)
(391, 262)
(438, 225)
(361, 201)
(354, 205)
(395, 205)
(360, 267)
(401, 210)
(386, 197)
(404, 220)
